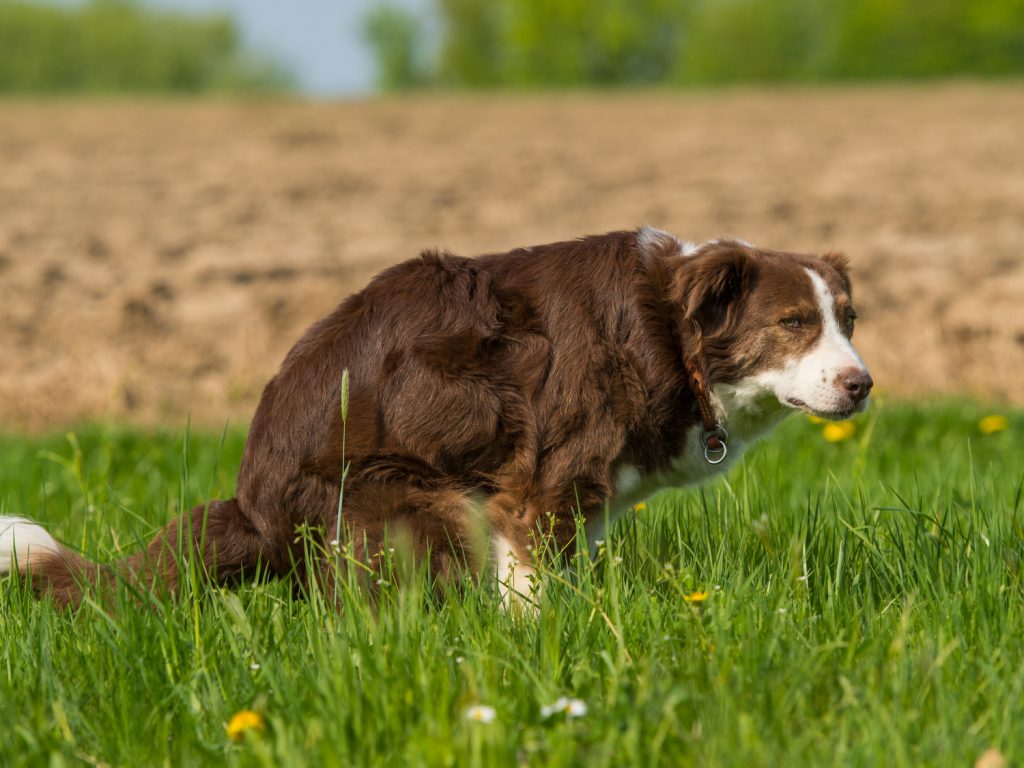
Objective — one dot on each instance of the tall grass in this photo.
(857, 603)
(110, 46)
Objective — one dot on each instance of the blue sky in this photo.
(320, 40)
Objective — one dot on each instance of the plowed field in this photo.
(157, 259)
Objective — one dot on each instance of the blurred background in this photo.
(187, 184)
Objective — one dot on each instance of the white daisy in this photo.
(481, 713)
(571, 707)
(576, 708)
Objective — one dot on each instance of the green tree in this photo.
(118, 45)
(542, 43)
(396, 39)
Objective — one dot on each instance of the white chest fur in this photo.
(746, 416)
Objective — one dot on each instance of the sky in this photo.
(319, 40)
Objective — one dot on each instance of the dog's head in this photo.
(774, 324)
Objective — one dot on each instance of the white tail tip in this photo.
(21, 541)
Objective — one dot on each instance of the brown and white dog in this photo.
(534, 385)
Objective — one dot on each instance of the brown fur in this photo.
(521, 379)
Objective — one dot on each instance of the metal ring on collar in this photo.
(716, 456)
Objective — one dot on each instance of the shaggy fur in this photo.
(531, 385)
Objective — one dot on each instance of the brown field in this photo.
(157, 259)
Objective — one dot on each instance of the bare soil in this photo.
(157, 259)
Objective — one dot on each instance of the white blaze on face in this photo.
(813, 381)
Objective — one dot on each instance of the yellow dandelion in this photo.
(993, 423)
(696, 597)
(838, 431)
(640, 507)
(243, 722)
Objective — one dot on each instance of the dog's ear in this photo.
(840, 264)
(711, 283)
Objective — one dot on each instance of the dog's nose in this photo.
(856, 382)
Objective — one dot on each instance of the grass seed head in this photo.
(344, 395)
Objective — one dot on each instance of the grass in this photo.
(863, 607)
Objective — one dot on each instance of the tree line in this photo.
(568, 43)
(122, 46)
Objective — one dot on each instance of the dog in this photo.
(527, 388)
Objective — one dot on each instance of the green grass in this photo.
(864, 608)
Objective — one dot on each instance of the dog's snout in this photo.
(856, 382)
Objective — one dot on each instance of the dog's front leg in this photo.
(515, 574)
(525, 532)
(512, 552)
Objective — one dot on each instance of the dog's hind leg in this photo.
(395, 529)
(218, 534)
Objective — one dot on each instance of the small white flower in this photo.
(570, 707)
(481, 713)
(548, 710)
(459, 659)
(599, 543)
(782, 610)
(335, 545)
(254, 666)
(576, 708)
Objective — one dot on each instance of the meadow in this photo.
(854, 601)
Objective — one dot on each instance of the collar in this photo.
(713, 436)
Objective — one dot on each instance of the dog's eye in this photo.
(790, 322)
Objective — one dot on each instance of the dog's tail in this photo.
(29, 549)
(216, 533)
